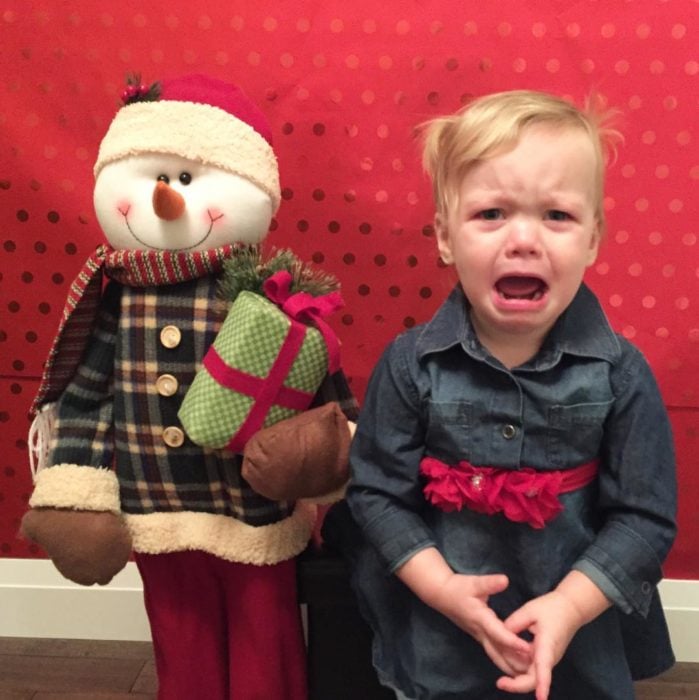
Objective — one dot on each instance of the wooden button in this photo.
(166, 385)
(170, 336)
(173, 436)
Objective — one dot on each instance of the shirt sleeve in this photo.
(84, 422)
(637, 491)
(384, 494)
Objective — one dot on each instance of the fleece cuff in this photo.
(76, 487)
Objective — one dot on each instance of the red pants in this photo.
(224, 631)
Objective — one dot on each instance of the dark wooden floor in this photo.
(682, 681)
(69, 669)
(61, 669)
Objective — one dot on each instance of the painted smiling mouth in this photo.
(212, 220)
(521, 288)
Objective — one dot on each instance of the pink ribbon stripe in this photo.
(248, 384)
(265, 391)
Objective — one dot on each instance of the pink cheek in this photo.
(214, 216)
(123, 207)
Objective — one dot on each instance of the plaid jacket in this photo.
(113, 413)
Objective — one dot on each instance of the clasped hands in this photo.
(551, 620)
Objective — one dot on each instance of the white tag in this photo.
(39, 438)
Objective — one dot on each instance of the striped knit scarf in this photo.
(135, 268)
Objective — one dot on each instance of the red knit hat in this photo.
(196, 117)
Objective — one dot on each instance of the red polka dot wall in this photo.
(344, 87)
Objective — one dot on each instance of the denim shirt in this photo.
(587, 394)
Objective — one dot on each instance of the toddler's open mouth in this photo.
(521, 288)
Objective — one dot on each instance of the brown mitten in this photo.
(85, 546)
(300, 457)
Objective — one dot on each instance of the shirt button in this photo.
(170, 336)
(646, 588)
(509, 431)
(173, 436)
(166, 385)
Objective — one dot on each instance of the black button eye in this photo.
(164, 178)
(185, 178)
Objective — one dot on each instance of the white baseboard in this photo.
(681, 605)
(36, 601)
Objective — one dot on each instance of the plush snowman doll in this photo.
(185, 173)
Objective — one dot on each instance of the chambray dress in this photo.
(588, 394)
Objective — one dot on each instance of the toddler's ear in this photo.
(595, 241)
(443, 242)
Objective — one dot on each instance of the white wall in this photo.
(36, 601)
(681, 603)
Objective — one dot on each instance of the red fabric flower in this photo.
(523, 496)
(531, 496)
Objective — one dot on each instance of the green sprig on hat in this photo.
(136, 91)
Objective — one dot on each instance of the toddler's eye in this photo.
(185, 178)
(164, 178)
(490, 214)
(558, 215)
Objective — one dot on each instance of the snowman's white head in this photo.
(192, 170)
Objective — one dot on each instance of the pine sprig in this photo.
(248, 270)
(136, 91)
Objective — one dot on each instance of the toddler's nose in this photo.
(524, 239)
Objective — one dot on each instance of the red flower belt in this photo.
(523, 495)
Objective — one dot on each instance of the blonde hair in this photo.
(493, 124)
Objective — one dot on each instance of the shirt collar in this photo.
(582, 330)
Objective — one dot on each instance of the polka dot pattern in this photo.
(344, 86)
(15, 479)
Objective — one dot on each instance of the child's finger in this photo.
(520, 620)
(522, 683)
(503, 662)
(543, 664)
(499, 635)
(488, 584)
(518, 660)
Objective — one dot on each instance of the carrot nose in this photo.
(167, 203)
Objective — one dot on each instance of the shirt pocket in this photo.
(575, 432)
(449, 429)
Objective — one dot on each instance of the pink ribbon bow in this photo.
(305, 307)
